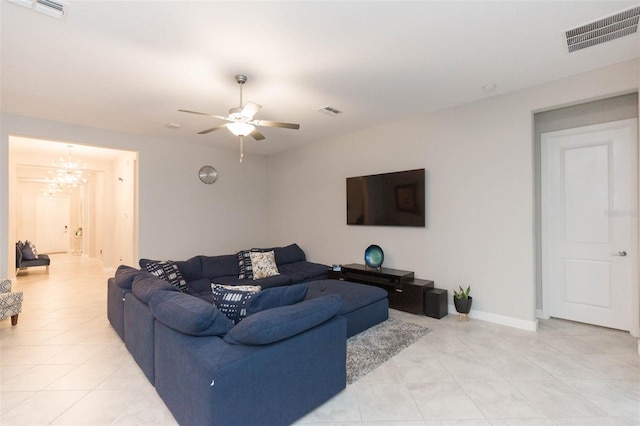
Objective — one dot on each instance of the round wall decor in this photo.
(208, 174)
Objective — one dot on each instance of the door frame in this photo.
(634, 296)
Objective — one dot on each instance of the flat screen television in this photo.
(387, 199)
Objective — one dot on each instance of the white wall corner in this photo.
(500, 319)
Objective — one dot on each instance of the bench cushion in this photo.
(362, 305)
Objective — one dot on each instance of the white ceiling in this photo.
(130, 65)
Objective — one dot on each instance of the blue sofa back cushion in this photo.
(275, 297)
(125, 275)
(219, 266)
(189, 315)
(191, 269)
(289, 254)
(273, 325)
(145, 284)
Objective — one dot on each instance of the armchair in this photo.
(21, 263)
(10, 302)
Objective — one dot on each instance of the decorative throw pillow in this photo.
(244, 265)
(29, 251)
(263, 264)
(168, 271)
(232, 299)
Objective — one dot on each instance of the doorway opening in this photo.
(93, 215)
(579, 206)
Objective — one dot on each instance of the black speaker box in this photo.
(435, 303)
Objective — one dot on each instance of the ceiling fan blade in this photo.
(257, 135)
(250, 110)
(268, 123)
(220, 126)
(204, 113)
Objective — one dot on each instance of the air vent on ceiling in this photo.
(57, 8)
(329, 111)
(603, 30)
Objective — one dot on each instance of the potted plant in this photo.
(462, 302)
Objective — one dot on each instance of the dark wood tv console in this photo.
(406, 293)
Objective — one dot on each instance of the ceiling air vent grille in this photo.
(603, 30)
(52, 8)
(57, 9)
(329, 111)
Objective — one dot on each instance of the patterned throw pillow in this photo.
(263, 264)
(232, 299)
(29, 251)
(244, 265)
(168, 271)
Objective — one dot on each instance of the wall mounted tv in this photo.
(387, 199)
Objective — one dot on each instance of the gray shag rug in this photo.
(371, 348)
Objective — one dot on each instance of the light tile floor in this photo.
(64, 365)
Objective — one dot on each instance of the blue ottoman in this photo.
(362, 305)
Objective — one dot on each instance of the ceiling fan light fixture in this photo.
(240, 128)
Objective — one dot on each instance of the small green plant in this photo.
(462, 294)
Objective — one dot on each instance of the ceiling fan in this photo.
(240, 120)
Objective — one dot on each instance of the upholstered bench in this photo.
(362, 305)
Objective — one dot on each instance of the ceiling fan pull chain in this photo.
(241, 148)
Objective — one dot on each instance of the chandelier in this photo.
(51, 188)
(69, 172)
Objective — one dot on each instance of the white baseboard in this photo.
(500, 319)
(540, 314)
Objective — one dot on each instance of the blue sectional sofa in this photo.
(272, 367)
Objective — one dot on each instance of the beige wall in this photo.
(480, 193)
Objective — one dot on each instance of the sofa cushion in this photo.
(273, 325)
(263, 264)
(269, 282)
(232, 300)
(304, 271)
(191, 269)
(168, 271)
(219, 266)
(276, 297)
(125, 275)
(289, 254)
(199, 288)
(354, 295)
(29, 251)
(188, 314)
(145, 284)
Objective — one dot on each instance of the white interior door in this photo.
(589, 223)
(52, 224)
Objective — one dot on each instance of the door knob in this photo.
(621, 253)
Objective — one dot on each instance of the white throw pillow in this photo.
(263, 264)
